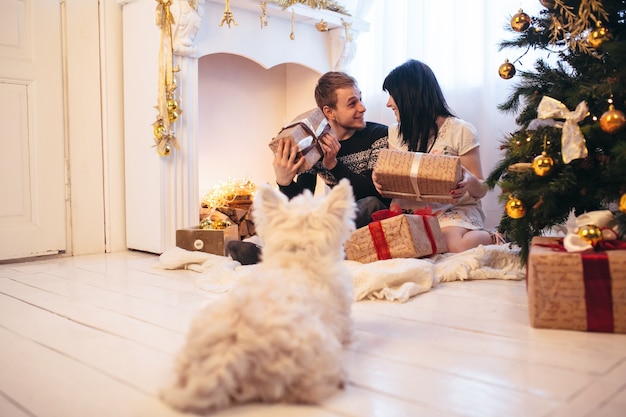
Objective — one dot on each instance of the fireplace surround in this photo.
(163, 193)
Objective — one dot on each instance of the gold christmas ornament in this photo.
(590, 233)
(542, 164)
(205, 223)
(612, 120)
(599, 35)
(506, 71)
(263, 17)
(220, 224)
(321, 26)
(159, 130)
(514, 208)
(164, 149)
(172, 105)
(228, 16)
(172, 116)
(520, 21)
(622, 203)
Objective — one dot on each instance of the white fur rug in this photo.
(391, 280)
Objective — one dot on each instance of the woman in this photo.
(426, 124)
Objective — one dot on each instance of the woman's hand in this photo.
(461, 186)
(377, 185)
(469, 183)
(285, 165)
(473, 174)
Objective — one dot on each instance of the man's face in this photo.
(350, 111)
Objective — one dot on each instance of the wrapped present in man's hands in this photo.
(304, 131)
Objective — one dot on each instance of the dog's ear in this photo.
(267, 200)
(340, 200)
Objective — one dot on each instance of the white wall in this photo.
(242, 106)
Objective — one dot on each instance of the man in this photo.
(350, 151)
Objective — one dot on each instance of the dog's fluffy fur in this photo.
(278, 335)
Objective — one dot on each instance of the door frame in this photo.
(92, 39)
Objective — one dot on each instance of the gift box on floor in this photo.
(402, 236)
(576, 290)
(213, 241)
(417, 176)
(304, 131)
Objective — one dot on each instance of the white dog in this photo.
(278, 334)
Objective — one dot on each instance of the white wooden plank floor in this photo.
(96, 336)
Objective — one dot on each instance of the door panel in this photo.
(32, 145)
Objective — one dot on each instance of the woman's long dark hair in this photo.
(420, 101)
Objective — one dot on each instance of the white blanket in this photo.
(392, 279)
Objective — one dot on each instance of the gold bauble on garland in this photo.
(599, 35)
(542, 164)
(164, 149)
(520, 21)
(172, 105)
(515, 208)
(506, 71)
(590, 233)
(612, 120)
(159, 130)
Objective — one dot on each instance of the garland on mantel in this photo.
(314, 4)
(167, 107)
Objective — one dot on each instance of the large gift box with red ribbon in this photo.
(417, 176)
(399, 236)
(577, 290)
(304, 131)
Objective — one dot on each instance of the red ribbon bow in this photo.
(395, 210)
(378, 235)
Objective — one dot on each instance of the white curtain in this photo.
(459, 40)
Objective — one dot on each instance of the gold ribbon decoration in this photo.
(573, 144)
(166, 83)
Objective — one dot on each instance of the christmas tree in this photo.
(569, 154)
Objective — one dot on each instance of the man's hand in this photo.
(285, 167)
(330, 146)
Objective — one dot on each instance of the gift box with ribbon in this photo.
(583, 290)
(417, 176)
(396, 235)
(304, 131)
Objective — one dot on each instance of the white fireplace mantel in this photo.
(162, 193)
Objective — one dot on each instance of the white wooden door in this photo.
(32, 146)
